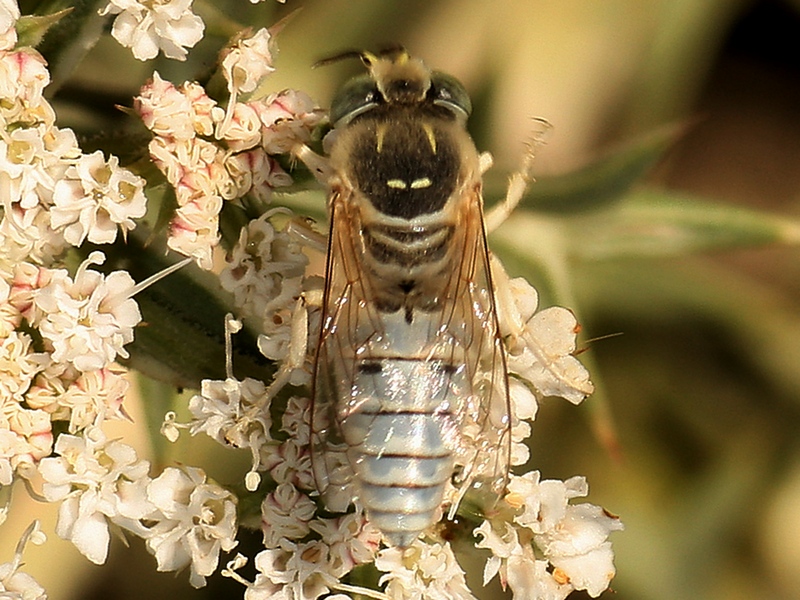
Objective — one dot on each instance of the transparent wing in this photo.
(344, 307)
(483, 412)
(461, 331)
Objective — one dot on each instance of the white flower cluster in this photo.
(236, 413)
(146, 28)
(305, 554)
(309, 569)
(61, 332)
(86, 320)
(539, 345)
(572, 538)
(425, 570)
(211, 154)
(52, 196)
(265, 272)
(83, 323)
(248, 61)
(184, 519)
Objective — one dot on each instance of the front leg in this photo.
(318, 165)
(519, 180)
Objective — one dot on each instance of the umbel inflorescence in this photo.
(62, 331)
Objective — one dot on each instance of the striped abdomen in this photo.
(402, 426)
(400, 440)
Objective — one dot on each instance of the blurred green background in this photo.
(692, 438)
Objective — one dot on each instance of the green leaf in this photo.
(232, 219)
(648, 223)
(161, 206)
(31, 29)
(661, 223)
(71, 38)
(310, 203)
(601, 183)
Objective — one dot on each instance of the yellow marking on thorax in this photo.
(431, 136)
(380, 134)
(420, 183)
(417, 184)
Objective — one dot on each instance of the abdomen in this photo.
(401, 428)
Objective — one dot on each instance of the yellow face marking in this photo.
(431, 136)
(420, 183)
(397, 184)
(379, 135)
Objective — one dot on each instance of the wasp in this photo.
(410, 388)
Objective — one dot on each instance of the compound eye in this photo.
(447, 91)
(356, 97)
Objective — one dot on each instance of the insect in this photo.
(410, 392)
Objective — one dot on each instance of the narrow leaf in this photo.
(32, 28)
(661, 223)
(600, 183)
(70, 40)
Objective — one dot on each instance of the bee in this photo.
(410, 389)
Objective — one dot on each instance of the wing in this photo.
(483, 414)
(462, 330)
(344, 310)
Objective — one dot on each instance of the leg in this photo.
(318, 165)
(301, 230)
(519, 180)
